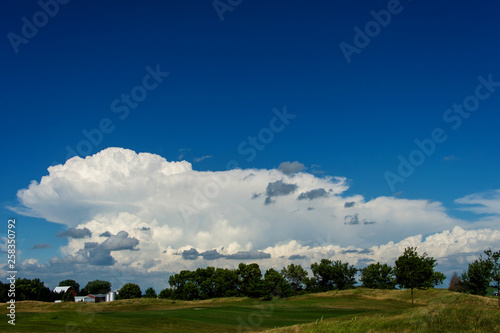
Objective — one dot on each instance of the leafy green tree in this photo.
(184, 286)
(204, 279)
(378, 276)
(250, 280)
(323, 274)
(311, 285)
(414, 271)
(4, 291)
(295, 275)
(225, 282)
(275, 284)
(476, 279)
(165, 293)
(72, 283)
(334, 275)
(344, 276)
(68, 296)
(128, 291)
(191, 291)
(150, 293)
(97, 287)
(494, 259)
(34, 290)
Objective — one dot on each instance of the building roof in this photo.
(62, 289)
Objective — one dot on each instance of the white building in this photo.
(84, 299)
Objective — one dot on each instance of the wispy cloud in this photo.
(41, 246)
(450, 158)
(199, 159)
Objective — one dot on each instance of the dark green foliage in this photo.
(34, 290)
(476, 279)
(204, 279)
(4, 292)
(128, 291)
(334, 275)
(72, 283)
(225, 282)
(494, 259)
(68, 296)
(414, 271)
(378, 276)
(311, 285)
(481, 272)
(150, 293)
(275, 284)
(165, 293)
(184, 285)
(250, 280)
(296, 276)
(96, 287)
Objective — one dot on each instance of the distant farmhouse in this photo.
(91, 298)
(63, 289)
(84, 299)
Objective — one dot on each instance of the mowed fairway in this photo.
(348, 311)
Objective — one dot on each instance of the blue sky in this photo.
(225, 78)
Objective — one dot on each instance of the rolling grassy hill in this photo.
(358, 310)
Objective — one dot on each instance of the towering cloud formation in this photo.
(143, 212)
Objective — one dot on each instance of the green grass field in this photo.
(358, 310)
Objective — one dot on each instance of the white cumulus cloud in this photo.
(149, 214)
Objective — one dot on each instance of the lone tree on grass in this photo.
(414, 271)
(129, 290)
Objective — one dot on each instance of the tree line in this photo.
(479, 276)
(410, 271)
